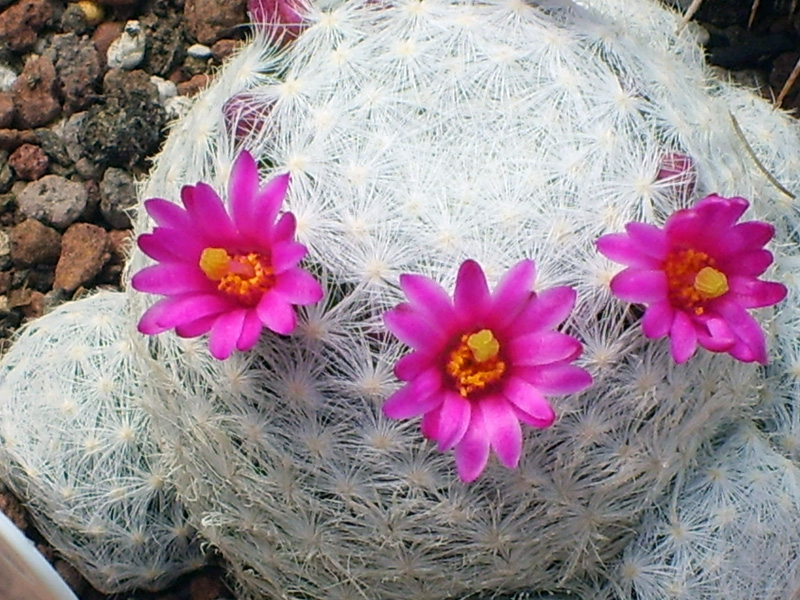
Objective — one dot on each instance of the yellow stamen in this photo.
(214, 263)
(244, 276)
(710, 282)
(475, 362)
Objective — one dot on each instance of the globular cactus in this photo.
(420, 134)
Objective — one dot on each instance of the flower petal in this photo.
(719, 212)
(242, 190)
(749, 235)
(208, 214)
(454, 418)
(427, 296)
(416, 397)
(196, 327)
(511, 293)
(503, 430)
(471, 298)
(750, 263)
(167, 214)
(751, 344)
(657, 319)
(472, 452)
(636, 285)
(177, 310)
(285, 228)
(298, 287)
(269, 199)
(171, 278)
(620, 248)
(411, 365)
(682, 338)
(413, 329)
(530, 401)
(715, 335)
(648, 239)
(286, 255)
(542, 347)
(251, 331)
(546, 310)
(158, 248)
(225, 332)
(556, 378)
(753, 293)
(276, 313)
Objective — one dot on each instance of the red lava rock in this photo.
(206, 587)
(5, 281)
(6, 109)
(33, 243)
(78, 67)
(34, 305)
(29, 162)
(20, 22)
(34, 92)
(10, 139)
(194, 85)
(104, 35)
(84, 251)
(222, 49)
(210, 20)
(11, 507)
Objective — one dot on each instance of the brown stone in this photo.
(78, 67)
(10, 139)
(120, 242)
(194, 85)
(223, 48)
(6, 109)
(206, 586)
(29, 162)
(34, 307)
(104, 35)
(210, 20)
(84, 251)
(5, 281)
(33, 243)
(11, 507)
(20, 22)
(35, 95)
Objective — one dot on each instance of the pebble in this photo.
(210, 20)
(127, 51)
(5, 250)
(35, 94)
(195, 84)
(84, 251)
(6, 109)
(166, 88)
(7, 77)
(33, 243)
(29, 162)
(78, 68)
(177, 107)
(92, 11)
(117, 197)
(166, 45)
(6, 174)
(223, 48)
(11, 507)
(199, 51)
(104, 35)
(20, 23)
(53, 200)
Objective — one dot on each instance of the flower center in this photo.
(692, 280)
(246, 277)
(475, 362)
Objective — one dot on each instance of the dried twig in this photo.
(789, 83)
(770, 177)
(690, 12)
(753, 10)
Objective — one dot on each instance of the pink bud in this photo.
(281, 20)
(678, 170)
(245, 115)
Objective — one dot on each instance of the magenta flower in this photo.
(699, 275)
(230, 274)
(482, 362)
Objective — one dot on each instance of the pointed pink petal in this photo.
(208, 214)
(546, 310)
(173, 245)
(649, 239)
(298, 287)
(751, 344)
(242, 190)
(503, 430)
(472, 299)
(719, 212)
(416, 397)
(196, 327)
(554, 379)
(750, 263)
(657, 319)
(172, 278)
(158, 248)
(682, 338)
(715, 335)
(269, 199)
(635, 285)
(176, 310)
(413, 329)
(750, 235)
(411, 365)
(285, 228)
(427, 296)
(276, 313)
(429, 424)
(167, 214)
(542, 347)
(472, 452)
(620, 248)
(511, 293)
(454, 418)
(225, 332)
(530, 401)
(752, 293)
(251, 331)
(286, 255)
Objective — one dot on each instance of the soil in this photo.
(79, 118)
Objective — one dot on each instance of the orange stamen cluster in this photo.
(246, 277)
(475, 362)
(693, 280)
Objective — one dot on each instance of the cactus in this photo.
(420, 134)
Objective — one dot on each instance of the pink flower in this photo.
(230, 274)
(482, 362)
(699, 275)
(281, 20)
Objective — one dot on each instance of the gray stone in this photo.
(5, 250)
(117, 197)
(6, 174)
(53, 200)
